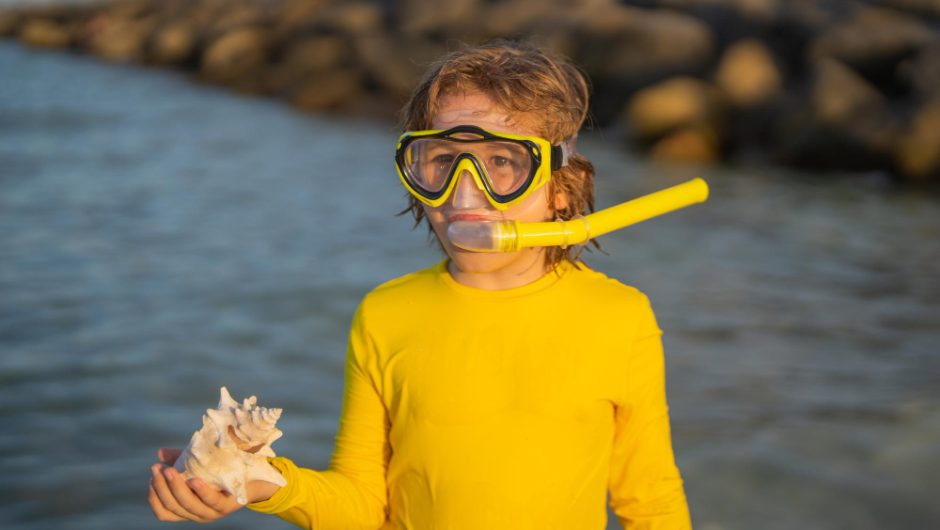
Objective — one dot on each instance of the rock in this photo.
(922, 72)
(236, 58)
(174, 43)
(396, 63)
(918, 150)
(625, 48)
(115, 38)
(307, 57)
(873, 41)
(697, 144)
(45, 33)
(10, 22)
(518, 17)
(731, 20)
(847, 124)
(840, 95)
(627, 42)
(748, 74)
(421, 18)
(672, 105)
(328, 90)
(756, 9)
(294, 18)
(235, 17)
(918, 7)
(354, 18)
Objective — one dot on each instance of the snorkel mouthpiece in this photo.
(507, 236)
(489, 236)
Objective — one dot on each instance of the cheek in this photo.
(535, 207)
(436, 217)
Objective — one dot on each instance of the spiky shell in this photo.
(233, 446)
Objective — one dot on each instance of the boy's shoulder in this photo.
(600, 286)
(396, 290)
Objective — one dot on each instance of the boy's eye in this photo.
(500, 161)
(442, 161)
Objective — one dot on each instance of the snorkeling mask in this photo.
(506, 167)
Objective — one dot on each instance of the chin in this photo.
(495, 262)
(481, 262)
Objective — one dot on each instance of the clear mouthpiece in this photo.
(486, 236)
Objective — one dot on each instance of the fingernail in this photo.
(168, 473)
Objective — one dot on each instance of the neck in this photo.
(520, 272)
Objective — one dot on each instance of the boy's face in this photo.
(468, 203)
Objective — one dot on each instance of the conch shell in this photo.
(233, 446)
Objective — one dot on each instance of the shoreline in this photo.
(794, 84)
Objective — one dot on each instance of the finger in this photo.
(220, 501)
(186, 498)
(167, 496)
(168, 455)
(158, 509)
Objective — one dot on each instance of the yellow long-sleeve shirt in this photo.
(489, 410)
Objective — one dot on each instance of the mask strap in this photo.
(563, 152)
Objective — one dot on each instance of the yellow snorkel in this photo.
(507, 236)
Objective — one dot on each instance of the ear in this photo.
(560, 202)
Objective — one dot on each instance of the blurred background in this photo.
(198, 193)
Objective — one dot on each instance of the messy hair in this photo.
(526, 83)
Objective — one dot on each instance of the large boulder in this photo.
(625, 48)
(519, 17)
(332, 90)
(425, 18)
(670, 105)
(306, 57)
(119, 35)
(918, 150)
(695, 144)
(929, 8)
(921, 73)
(678, 119)
(353, 18)
(10, 22)
(45, 33)
(840, 95)
(732, 20)
(234, 16)
(845, 124)
(237, 59)
(396, 63)
(873, 41)
(748, 74)
(624, 42)
(174, 43)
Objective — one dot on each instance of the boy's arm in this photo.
(645, 484)
(352, 494)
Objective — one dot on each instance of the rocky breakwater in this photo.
(848, 85)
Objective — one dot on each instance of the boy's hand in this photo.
(172, 498)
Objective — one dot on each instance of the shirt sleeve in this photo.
(645, 485)
(352, 494)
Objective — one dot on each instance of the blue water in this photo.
(159, 239)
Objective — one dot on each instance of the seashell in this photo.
(233, 446)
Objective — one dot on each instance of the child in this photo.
(492, 390)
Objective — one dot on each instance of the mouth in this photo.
(472, 217)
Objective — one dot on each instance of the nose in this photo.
(467, 193)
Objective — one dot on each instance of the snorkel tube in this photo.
(508, 236)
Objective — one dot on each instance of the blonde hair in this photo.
(525, 82)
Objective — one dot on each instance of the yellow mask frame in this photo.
(545, 158)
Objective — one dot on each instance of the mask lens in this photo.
(429, 162)
(508, 164)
